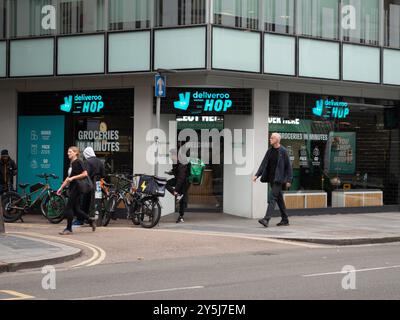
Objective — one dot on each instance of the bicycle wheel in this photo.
(52, 208)
(150, 212)
(110, 206)
(10, 201)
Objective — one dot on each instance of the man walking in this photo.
(276, 170)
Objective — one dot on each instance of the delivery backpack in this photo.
(196, 170)
(151, 185)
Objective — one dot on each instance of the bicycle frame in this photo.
(27, 197)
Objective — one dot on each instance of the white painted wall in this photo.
(238, 188)
(242, 197)
(260, 123)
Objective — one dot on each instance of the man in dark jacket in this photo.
(276, 170)
(96, 171)
(8, 170)
(179, 185)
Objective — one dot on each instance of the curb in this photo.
(13, 267)
(345, 242)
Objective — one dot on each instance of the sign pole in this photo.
(160, 91)
(156, 139)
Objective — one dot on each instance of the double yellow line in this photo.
(14, 295)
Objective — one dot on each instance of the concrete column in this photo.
(8, 121)
(260, 125)
(143, 122)
(242, 197)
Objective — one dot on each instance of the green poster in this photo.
(342, 153)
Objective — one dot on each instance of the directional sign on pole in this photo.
(160, 86)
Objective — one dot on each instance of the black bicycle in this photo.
(142, 209)
(51, 204)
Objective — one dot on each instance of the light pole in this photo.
(160, 91)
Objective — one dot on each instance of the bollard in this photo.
(2, 229)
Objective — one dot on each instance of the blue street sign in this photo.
(160, 86)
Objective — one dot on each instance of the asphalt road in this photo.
(277, 271)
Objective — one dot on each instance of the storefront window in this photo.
(392, 23)
(171, 13)
(129, 14)
(344, 151)
(26, 17)
(318, 18)
(237, 13)
(101, 119)
(279, 16)
(110, 137)
(360, 21)
(81, 16)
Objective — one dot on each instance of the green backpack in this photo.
(197, 167)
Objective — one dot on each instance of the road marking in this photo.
(98, 257)
(16, 295)
(118, 295)
(346, 272)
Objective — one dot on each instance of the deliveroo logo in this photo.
(67, 106)
(205, 101)
(331, 109)
(184, 101)
(81, 103)
(319, 108)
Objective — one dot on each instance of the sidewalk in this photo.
(346, 229)
(20, 252)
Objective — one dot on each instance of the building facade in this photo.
(323, 73)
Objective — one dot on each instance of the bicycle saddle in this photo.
(23, 186)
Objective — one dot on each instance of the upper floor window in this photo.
(26, 18)
(318, 18)
(129, 14)
(360, 21)
(392, 23)
(179, 12)
(237, 13)
(279, 16)
(81, 16)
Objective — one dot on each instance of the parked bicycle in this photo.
(142, 208)
(51, 205)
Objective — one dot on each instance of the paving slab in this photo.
(21, 252)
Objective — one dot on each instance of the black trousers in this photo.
(74, 207)
(183, 203)
(88, 203)
(276, 197)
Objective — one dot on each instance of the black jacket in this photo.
(95, 169)
(283, 172)
(7, 171)
(181, 174)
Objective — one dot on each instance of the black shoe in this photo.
(264, 222)
(180, 220)
(283, 223)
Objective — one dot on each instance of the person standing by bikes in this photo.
(179, 185)
(76, 172)
(8, 170)
(96, 172)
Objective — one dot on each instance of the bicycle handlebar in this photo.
(47, 176)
